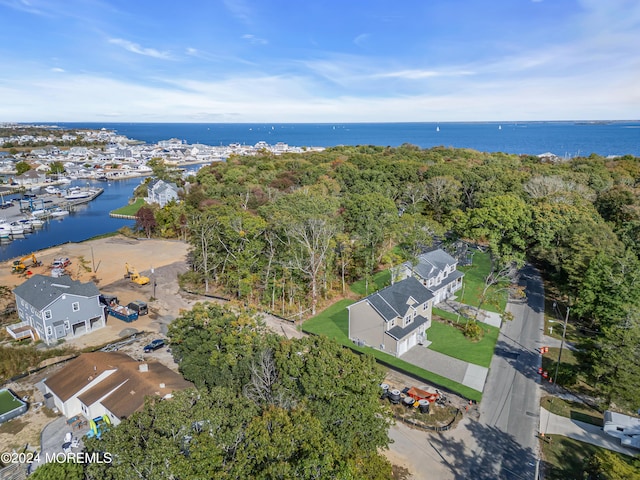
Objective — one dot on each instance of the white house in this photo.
(394, 319)
(110, 383)
(624, 427)
(436, 270)
(161, 192)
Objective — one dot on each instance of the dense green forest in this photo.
(290, 232)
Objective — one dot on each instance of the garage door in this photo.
(402, 347)
(413, 340)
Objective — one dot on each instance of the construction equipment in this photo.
(133, 275)
(19, 265)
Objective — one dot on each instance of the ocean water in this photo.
(565, 139)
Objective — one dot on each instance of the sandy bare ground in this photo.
(103, 262)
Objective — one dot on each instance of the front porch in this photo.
(21, 331)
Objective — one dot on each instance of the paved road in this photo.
(511, 402)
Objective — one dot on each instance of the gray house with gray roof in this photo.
(161, 192)
(51, 308)
(436, 270)
(393, 319)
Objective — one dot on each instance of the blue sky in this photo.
(319, 61)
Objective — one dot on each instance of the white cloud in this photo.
(296, 99)
(254, 40)
(23, 6)
(57, 70)
(136, 48)
(361, 39)
(421, 74)
(239, 9)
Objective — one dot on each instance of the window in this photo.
(66, 325)
(75, 306)
(47, 314)
(49, 331)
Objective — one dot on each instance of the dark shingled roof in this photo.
(41, 290)
(392, 302)
(431, 263)
(399, 333)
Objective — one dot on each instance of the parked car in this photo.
(61, 263)
(139, 306)
(155, 345)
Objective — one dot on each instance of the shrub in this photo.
(473, 331)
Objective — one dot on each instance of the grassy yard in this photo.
(380, 280)
(565, 458)
(568, 369)
(334, 323)
(449, 340)
(573, 410)
(474, 284)
(131, 209)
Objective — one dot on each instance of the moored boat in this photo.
(58, 212)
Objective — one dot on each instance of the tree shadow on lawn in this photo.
(341, 320)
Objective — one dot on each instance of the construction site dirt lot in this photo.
(102, 261)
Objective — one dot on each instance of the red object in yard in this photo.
(540, 370)
(545, 374)
(419, 394)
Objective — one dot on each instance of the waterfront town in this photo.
(103, 154)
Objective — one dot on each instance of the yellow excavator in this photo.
(19, 265)
(133, 275)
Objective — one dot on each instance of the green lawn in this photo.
(566, 458)
(380, 280)
(568, 369)
(334, 323)
(8, 402)
(130, 209)
(474, 276)
(573, 410)
(449, 340)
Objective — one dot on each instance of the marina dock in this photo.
(46, 206)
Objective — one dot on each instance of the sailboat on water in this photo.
(437, 128)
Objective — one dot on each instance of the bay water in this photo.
(565, 139)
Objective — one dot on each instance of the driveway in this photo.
(468, 374)
(551, 423)
(53, 436)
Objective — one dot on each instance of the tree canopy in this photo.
(288, 233)
(264, 407)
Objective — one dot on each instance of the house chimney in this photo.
(143, 367)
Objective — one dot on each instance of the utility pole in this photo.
(564, 332)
